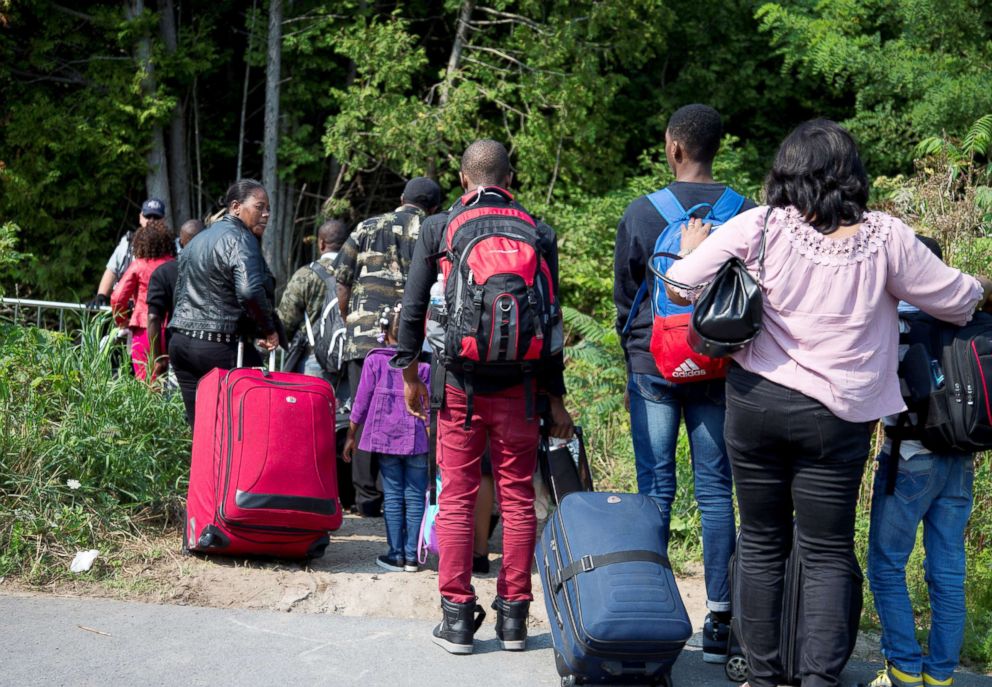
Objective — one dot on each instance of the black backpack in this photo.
(328, 331)
(946, 380)
(498, 291)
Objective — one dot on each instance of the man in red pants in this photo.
(508, 351)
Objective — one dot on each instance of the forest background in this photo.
(333, 105)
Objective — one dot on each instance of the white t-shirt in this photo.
(120, 259)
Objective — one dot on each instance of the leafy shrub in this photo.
(596, 377)
(85, 454)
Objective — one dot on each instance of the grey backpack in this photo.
(326, 335)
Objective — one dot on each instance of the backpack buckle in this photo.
(587, 563)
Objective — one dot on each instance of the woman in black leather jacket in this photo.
(224, 293)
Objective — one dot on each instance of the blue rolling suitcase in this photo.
(615, 612)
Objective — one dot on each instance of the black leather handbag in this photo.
(727, 314)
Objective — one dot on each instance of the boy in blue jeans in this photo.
(937, 491)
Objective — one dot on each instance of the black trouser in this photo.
(793, 458)
(192, 358)
(365, 465)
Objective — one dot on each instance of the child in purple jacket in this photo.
(400, 441)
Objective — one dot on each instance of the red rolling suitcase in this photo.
(262, 480)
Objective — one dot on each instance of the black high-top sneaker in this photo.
(511, 623)
(458, 625)
(716, 639)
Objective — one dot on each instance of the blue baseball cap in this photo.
(154, 208)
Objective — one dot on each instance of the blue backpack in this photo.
(676, 361)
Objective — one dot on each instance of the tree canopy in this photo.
(106, 103)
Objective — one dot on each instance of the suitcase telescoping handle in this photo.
(241, 357)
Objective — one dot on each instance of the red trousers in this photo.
(500, 418)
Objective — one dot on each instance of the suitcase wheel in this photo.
(569, 681)
(736, 668)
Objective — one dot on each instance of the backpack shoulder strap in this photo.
(325, 274)
(727, 205)
(667, 205)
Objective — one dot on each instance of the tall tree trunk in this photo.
(244, 91)
(455, 57)
(273, 239)
(157, 174)
(196, 148)
(178, 150)
(454, 62)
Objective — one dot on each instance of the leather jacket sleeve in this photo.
(250, 273)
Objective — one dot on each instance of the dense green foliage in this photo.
(373, 93)
(914, 68)
(84, 455)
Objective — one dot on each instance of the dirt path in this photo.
(345, 581)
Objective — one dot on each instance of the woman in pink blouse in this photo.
(803, 396)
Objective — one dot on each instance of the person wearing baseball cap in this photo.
(153, 208)
(423, 193)
(120, 260)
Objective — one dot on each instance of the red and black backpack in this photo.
(502, 311)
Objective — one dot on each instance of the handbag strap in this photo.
(686, 287)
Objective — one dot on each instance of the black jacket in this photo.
(224, 284)
(416, 297)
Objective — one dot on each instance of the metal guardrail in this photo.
(40, 307)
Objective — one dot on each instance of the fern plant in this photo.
(976, 143)
(596, 371)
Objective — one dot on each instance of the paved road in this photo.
(82, 642)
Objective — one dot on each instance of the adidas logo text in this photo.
(688, 368)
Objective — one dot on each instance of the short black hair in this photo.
(818, 171)
(699, 129)
(334, 233)
(486, 162)
(240, 191)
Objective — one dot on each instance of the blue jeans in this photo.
(404, 489)
(936, 490)
(656, 409)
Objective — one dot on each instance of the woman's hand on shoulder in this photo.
(693, 235)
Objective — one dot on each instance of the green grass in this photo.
(65, 419)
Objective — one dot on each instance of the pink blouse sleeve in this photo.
(738, 238)
(920, 278)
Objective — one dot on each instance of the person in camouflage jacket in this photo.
(304, 294)
(372, 266)
(371, 273)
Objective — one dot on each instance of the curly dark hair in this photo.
(154, 240)
(818, 171)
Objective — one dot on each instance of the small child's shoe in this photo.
(411, 565)
(390, 564)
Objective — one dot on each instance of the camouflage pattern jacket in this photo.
(304, 294)
(374, 263)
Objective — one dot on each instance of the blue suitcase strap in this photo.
(589, 563)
